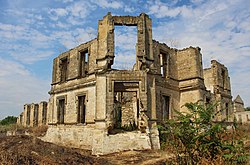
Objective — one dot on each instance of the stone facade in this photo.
(241, 115)
(90, 101)
(33, 115)
(217, 82)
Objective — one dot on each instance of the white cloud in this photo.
(221, 29)
(57, 12)
(161, 10)
(108, 4)
(19, 86)
(65, 1)
(24, 44)
(125, 51)
(80, 9)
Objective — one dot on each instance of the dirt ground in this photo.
(24, 149)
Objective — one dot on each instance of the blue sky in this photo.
(32, 33)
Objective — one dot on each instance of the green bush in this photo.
(8, 120)
(195, 138)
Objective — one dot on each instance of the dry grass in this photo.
(5, 128)
(38, 131)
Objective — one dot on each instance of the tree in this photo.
(247, 109)
(8, 120)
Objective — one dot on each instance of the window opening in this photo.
(28, 116)
(81, 109)
(223, 75)
(61, 111)
(44, 114)
(21, 119)
(125, 47)
(165, 107)
(84, 57)
(227, 111)
(35, 119)
(164, 64)
(64, 63)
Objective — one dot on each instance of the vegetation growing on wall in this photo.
(195, 138)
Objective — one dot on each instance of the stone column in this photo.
(101, 101)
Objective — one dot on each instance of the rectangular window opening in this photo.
(64, 65)
(28, 116)
(61, 111)
(227, 111)
(165, 107)
(223, 75)
(35, 119)
(84, 62)
(44, 114)
(81, 109)
(164, 64)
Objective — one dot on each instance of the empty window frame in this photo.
(35, 119)
(83, 63)
(21, 119)
(60, 111)
(227, 111)
(223, 76)
(164, 64)
(28, 116)
(63, 69)
(165, 107)
(44, 114)
(81, 109)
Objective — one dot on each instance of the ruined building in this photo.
(91, 104)
(33, 115)
(241, 115)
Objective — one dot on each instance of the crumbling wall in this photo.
(33, 115)
(190, 76)
(217, 80)
(82, 109)
(209, 79)
(42, 113)
(73, 62)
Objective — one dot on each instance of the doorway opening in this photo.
(126, 110)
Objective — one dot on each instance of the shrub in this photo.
(195, 138)
(8, 120)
